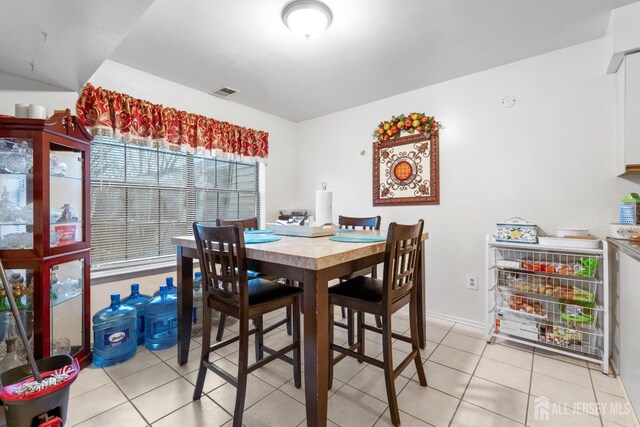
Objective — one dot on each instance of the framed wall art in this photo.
(405, 170)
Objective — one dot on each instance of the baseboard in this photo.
(456, 319)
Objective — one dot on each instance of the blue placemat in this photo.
(349, 238)
(258, 231)
(260, 238)
(346, 230)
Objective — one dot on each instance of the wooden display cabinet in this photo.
(45, 231)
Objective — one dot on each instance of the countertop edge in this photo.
(624, 246)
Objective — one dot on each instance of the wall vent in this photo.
(224, 91)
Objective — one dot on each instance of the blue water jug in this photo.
(172, 290)
(114, 333)
(139, 301)
(196, 325)
(161, 321)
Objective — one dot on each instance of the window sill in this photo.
(126, 273)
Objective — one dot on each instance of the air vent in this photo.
(224, 91)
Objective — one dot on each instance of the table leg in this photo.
(316, 348)
(185, 304)
(421, 291)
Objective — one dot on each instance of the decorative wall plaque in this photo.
(405, 170)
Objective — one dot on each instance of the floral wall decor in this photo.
(405, 161)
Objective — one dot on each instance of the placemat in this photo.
(260, 238)
(346, 230)
(349, 238)
(258, 231)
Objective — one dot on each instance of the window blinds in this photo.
(142, 196)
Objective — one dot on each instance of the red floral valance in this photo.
(135, 120)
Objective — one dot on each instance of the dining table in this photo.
(313, 261)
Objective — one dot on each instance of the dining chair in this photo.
(247, 224)
(355, 223)
(383, 297)
(222, 256)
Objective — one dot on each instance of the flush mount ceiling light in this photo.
(308, 18)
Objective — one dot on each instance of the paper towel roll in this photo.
(37, 111)
(22, 111)
(324, 200)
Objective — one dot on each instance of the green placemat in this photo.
(260, 238)
(346, 230)
(350, 238)
(258, 231)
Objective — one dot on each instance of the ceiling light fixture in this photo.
(308, 18)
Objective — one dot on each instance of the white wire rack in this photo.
(553, 298)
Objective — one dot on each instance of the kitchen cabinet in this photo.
(627, 115)
(625, 314)
(554, 298)
(44, 232)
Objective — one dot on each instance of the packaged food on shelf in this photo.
(520, 304)
(561, 336)
(505, 263)
(577, 314)
(518, 329)
(584, 267)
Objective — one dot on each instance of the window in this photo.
(142, 196)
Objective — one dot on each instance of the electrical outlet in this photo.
(472, 282)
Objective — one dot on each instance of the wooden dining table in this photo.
(314, 262)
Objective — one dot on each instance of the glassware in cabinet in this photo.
(16, 193)
(66, 199)
(12, 351)
(67, 307)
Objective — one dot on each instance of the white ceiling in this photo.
(80, 36)
(373, 49)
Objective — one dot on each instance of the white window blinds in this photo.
(141, 197)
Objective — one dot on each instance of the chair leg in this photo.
(350, 329)
(378, 321)
(413, 324)
(243, 362)
(223, 320)
(297, 369)
(388, 371)
(361, 340)
(288, 310)
(206, 349)
(259, 337)
(330, 344)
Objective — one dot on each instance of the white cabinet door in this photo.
(632, 112)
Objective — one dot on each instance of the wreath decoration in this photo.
(410, 123)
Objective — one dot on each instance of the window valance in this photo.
(138, 121)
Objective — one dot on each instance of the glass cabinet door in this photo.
(16, 193)
(66, 169)
(67, 309)
(12, 351)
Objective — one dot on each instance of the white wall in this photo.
(280, 172)
(15, 90)
(548, 159)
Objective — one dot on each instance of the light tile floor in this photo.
(470, 384)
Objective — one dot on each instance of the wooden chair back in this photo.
(247, 223)
(222, 256)
(368, 223)
(401, 260)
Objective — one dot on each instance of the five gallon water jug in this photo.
(114, 333)
(139, 301)
(172, 290)
(161, 321)
(196, 326)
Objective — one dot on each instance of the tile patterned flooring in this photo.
(470, 384)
